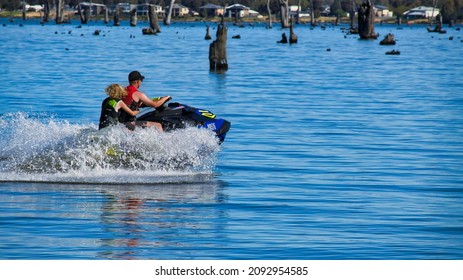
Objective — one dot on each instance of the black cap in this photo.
(135, 76)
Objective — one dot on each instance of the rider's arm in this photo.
(153, 103)
(123, 106)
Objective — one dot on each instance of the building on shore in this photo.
(421, 12)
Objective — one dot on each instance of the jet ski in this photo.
(173, 115)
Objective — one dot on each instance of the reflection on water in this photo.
(147, 218)
(113, 221)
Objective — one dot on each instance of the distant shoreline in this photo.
(322, 20)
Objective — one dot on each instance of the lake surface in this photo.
(336, 150)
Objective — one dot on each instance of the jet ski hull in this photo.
(176, 115)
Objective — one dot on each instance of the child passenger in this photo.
(111, 109)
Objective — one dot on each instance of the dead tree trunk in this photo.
(208, 35)
(218, 50)
(366, 21)
(236, 19)
(353, 29)
(169, 14)
(388, 40)
(117, 14)
(312, 14)
(24, 10)
(284, 39)
(352, 16)
(88, 13)
(106, 14)
(440, 22)
(60, 12)
(83, 14)
(154, 24)
(46, 12)
(79, 10)
(284, 12)
(133, 17)
(298, 19)
(270, 20)
(292, 35)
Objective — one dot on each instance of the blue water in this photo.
(336, 151)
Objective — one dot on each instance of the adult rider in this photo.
(136, 98)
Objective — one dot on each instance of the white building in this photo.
(421, 12)
(240, 11)
(382, 11)
(35, 8)
(295, 10)
(179, 10)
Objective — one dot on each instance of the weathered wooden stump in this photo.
(117, 13)
(270, 20)
(83, 14)
(46, 12)
(106, 15)
(393, 52)
(366, 21)
(292, 35)
(218, 50)
(148, 31)
(284, 13)
(133, 17)
(283, 40)
(60, 12)
(438, 27)
(208, 35)
(154, 23)
(388, 40)
(399, 20)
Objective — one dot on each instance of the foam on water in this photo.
(40, 148)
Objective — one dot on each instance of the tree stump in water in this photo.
(117, 13)
(284, 13)
(154, 24)
(438, 27)
(83, 14)
(388, 40)
(269, 15)
(292, 35)
(283, 40)
(106, 15)
(60, 12)
(218, 50)
(46, 12)
(168, 18)
(393, 52)
(366, 21)
(133, 17)
(208, 35)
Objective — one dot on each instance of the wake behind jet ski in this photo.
(175, 115)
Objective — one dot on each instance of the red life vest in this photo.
(129, 98)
